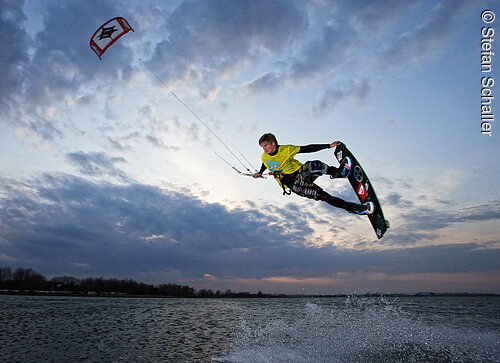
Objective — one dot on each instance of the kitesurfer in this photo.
(299, 178)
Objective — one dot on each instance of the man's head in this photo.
(268, 143)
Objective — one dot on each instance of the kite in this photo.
(108, 33)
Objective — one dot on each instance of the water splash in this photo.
(358, 329)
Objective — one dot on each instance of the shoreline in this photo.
(239, 295)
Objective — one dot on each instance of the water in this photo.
(354, 329)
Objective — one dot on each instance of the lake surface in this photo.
(353, 329)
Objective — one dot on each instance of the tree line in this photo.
(27, 280)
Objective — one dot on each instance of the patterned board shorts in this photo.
(303, 184)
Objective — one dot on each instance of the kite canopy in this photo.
(109, 33)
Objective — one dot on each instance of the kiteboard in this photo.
(364, 190)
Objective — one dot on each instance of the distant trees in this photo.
(22, 279)
(5, 274)
(28, 280)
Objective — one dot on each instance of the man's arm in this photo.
(259, 173)
(317, 147)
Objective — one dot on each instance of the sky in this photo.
(123, 167)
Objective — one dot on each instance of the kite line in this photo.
(247, 166)
(109, 33)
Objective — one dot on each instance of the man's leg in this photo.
(317, 167)
(305, 187)
(340, 203)
(343, 170)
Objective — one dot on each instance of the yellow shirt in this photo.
(283, 162)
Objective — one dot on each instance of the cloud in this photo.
(54, 87)
(131, 229)
(263, 84)
(15, 55)
(427, 40)
(96, 163)
(362, 37)
(356, 91)
(371, 16)
(337, 33)
(40, 127)
(324, 52)
(202, 41)
(316, 54)
(221, 36)
(51, 69)
(106, 226)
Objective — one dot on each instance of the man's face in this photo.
(269, 147)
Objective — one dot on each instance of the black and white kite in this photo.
(108, 33)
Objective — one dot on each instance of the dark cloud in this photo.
(356, 91)
(417, 223)
(371, 16)
(485, 212)
(325, 51)
(397, 199)
(126, 230)
(41, 127)
(16, 42)
(43, 71)
(200, 41)
(96, 163)
(429, 38)
(106, 226)
(264, 84)
(218, 36)
(362, 37)
(339, 31)
(429, 219)
(315, 57)
(63, 60)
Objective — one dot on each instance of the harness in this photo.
(278, 175)
(302, 182)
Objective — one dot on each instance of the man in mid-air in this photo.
(299, 178)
